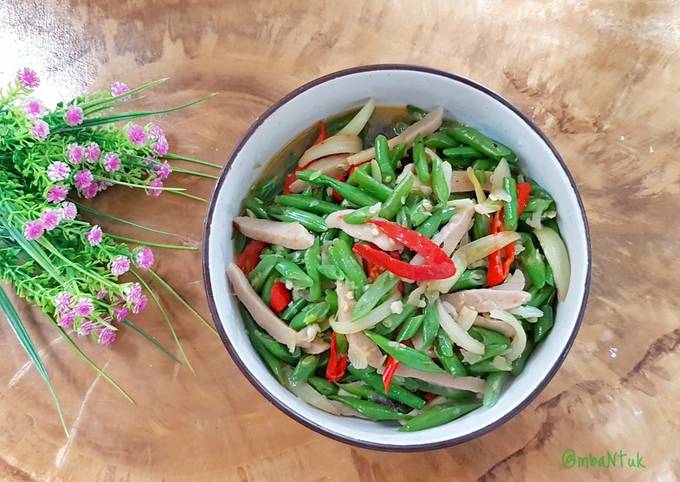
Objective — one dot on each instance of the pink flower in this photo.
(104, 185)
(162, 170)
(120, 265)
(153, 187)
(66, 320)
(33, 230)
(133, 293)
(58, 171)
(83, 179)
(140, 305)
(85, 328)
(144, 258)
(120, 312)
(74, 116)
(106, 336)
(155, 130)
(69, 211)
(118, 89)
(93, 151)
(84, 307)
(136, 135)
(160, 147)
(50, 219)
(94, 235)
(75, 153)
(56, 194)
(111, 162)
(149, 160)
(63, 301)
(34, 108)
(28, 78)
(40, 130)
(102, 294)
(90, 191)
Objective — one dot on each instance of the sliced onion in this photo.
(460, 182)
(359, 121)
(466, 318)
(527, 312)
(558, 258)
(516, 282)
(497, 192)
(365, 232)
(457, 334)
(307, 394)
(519, 340)
(469, 357)
(337, 144)
(495, 325)
(332, 166)
(367, 322)
(363, 352)
(501, 363)
(483, 247)
(289, 235)
(425, 126)
(479, 192)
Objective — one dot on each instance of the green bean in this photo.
(462, 153)
(397, 154)
(395, 320)
(420, 160)
(491, 351)
(410, 328)
(293, 309)
(459, 164)
(312, 260)
(292, 273)
(439, 415)
(274, 364)
(266, 292)
(488, 337)
(396, 392)
(544, 323)
(323, 386)
(308, 203)
(416, 111)
(346, 238)
(439, 217)
(304, 369)
(361, 390)
(329, 235)
(474, 138)
(341, 343)
(383, 284)
(414, 384)
(332, 300)
(276, 348)
(310, 314)
(397, 198)
(519, 363)
(538, 296)
(471, 278)
(342, 256)
(371, 410)
(493, 386)
(538, 192)
(335, 125)
(350, 193)
(484, 164)
(481, 226)
(399, 127)
(532, 261)
(549, 278)
(402, 218)
(256, 205)
(484, 366)
(536, 204)
(418, 213)
(261, 272)
(331, 272)
(439, 140)
(440, 186)
(382, 156)
(443, 348)
(266, 189)
(374, 169)
(297, 257)
(240, 241)
(430, 325)
(361, 215)
(510, 214)
(311, 221)
(405, 354)
(374, 188)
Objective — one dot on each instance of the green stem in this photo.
(138, 186)
(190, 196)
(131, 92)
(95, 212)
(179, 297)
(194, 173)
(151, 243)
(177, 157)
(166, 318)
(58, 254)
(151, 340)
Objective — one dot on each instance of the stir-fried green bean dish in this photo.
(397, 266)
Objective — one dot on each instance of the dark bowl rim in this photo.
(261, 388)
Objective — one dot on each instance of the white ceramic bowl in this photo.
(468, 102)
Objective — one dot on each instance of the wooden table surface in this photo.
(599, 77)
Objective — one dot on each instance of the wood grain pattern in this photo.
(599, 77)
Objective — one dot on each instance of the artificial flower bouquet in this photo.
(87, 283)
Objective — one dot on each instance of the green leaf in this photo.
(20, 331)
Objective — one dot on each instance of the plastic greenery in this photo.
(87, 283)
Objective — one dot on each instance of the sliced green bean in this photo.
(397, 154)
(371, 410)
(323, 386)
(292, 273)
(383, 284)
(462, 153)
(481, 226)
(261, 272)
(335, 125)
(471, 278)
(309, 315)
(304, 369)
(350, 193)
(443, 348)
(420, 160)
(439, 140)
(331, 272)
(361, 215)
(544, 324)
(397, 198)
(402, 218)
(410, 328)
(266, 292)
(256, 205)
(440, 185)
(519, 364)
(533, 262)
(439, 415)
(539, 296)
(395, 320)
(311, 221)
(439, 217)
(342, 256)
(240, 241)
(493, 386)
(276, 348)
(312, 260)
(405, 354)
(415, 111)
(332, 300)
(510, 214)
(399, 127)
(308, 203)
(397, 392)
(430, 326)
(414, 384)
(382, 156)
(376, 189)
(420, 212)
(482, 367)
(293, 309)
(474, 138)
